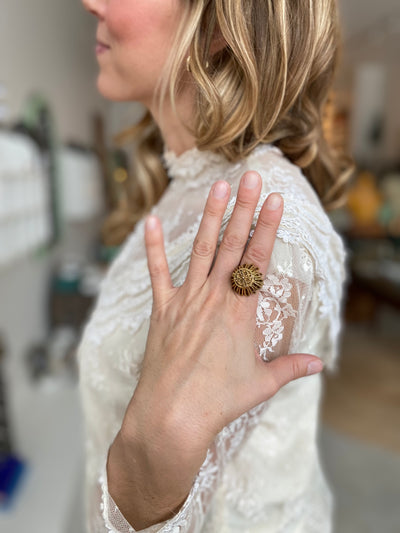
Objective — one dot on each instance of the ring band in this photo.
(246, 280)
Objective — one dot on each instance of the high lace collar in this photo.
(200, 165)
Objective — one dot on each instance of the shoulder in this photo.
(304, 222)
(278, 173)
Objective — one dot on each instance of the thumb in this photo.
(281, 370)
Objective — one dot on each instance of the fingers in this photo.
(156, 259)
(237, 232)
(274, 375)
(261, 244)
(205, 243)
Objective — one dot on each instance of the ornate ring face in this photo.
(246, 280)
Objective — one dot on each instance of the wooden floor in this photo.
(363, 399)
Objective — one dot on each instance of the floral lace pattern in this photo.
(272, 310)
(247, 479)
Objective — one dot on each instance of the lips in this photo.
(102, 44)
(101, 47)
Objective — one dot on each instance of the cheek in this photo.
(123, 25)
(140, 33)
(139, 22)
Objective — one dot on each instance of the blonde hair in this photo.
(268, 84)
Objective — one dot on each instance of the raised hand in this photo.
(200, 369)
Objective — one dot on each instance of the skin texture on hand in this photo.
(194, 384)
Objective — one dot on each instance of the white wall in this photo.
(48, 45)
(358, 15)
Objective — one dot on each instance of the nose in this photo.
(95, 7)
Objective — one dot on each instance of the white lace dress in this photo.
(262, 473)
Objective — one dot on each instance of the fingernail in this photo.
(251, 180)
(274, 201)
(314, 367)
(151, 222)
(220, 189)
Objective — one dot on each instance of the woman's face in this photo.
(134, 38)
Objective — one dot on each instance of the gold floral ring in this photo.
(246, 280)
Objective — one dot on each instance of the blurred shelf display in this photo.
(24, 212)
(81, 188)
(73, 290)
(373, 207)
(370, 226)
(336, 120)
(374, 272)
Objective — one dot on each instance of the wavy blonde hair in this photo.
(268, 84)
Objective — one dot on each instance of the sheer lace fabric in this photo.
(263, 472)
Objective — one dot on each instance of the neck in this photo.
(175, 134)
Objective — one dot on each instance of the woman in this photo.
(184, 429)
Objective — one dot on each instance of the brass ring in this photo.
(246, 280)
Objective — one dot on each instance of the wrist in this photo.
(144, 495)
(160, 454)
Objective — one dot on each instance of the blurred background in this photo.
(62, 204)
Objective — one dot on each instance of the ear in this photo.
(218, 42)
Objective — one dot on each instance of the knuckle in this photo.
(156, 270)
(244, 202)
(202, 248)
(233, 242)
(256, 254)
(212, 211)
(296, 368)
(267, 223)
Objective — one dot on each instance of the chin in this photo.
(108, 90)
(115, 92)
